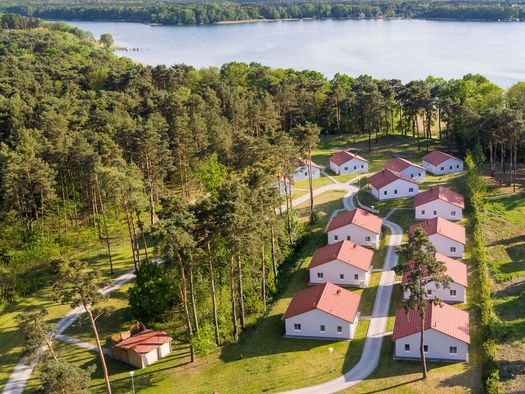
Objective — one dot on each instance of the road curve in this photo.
(377, 328)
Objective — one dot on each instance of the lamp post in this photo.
(331, 351)
(131, 373)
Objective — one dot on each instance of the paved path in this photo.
(377, 328)
(22, 372)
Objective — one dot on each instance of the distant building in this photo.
(284, 185)
(439, 201)
(446, 334)
(439, 163)
(322, 311)
(348, 163)
(412, 170)
(344, 263)
(448, 238)
(301, 171)
(143, 348)
(357, 225)
(387, 184)
(456, 292)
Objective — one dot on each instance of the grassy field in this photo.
(504, 230)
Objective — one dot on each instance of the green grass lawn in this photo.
(380, 253)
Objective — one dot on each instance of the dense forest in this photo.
(93, 146)
(197, 12)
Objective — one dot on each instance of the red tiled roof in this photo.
(386, 177)
(439, 193)
(342, 157)
(345, 251)
(359, 217)
(399, 164)
(455, 269)
(145, 341)
(437, 157)
(444, 318)
(443, 227)
(305, 162)
(283, 179)
(328, 298)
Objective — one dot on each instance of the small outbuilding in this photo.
(457, 290)
(344, 263)
(143, 348)
(345, 162)
(323, 311)
(448, 238)
(439, 163)
(439, 201)
(301, 171)
(403, 166)
(446, 334)
(387, 184)
(357, 225)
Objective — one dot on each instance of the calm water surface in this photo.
(403, 49)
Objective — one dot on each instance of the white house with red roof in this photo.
(387, 184)
(344, 263)
(457, 290)
(448, 238)
(301, 171)
(446, 334)
(323, 311)
(439, 201)
(284, 185)
(359, 226)
(143, 348)
(403, 166)
(439, 163)
(348, 163)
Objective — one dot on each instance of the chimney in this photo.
(338, 291)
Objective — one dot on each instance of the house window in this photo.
(453, 213)
(341, 276)
(429, 292)
(339, 329)
(348, 237)
(356, 276)
(320, 275)
(355, 167)
(452, 293)
(422, 212)
(419, 174)
(435, 212)
(322, 328)
(297, 327)
(411, 175)
(457, 166)
(306, 174)
(385, 192)
(453, 249)
(362, 166)
(450, 167)
(407, 347)
(442, 168)
(410, 189)
(453, 350)
(367, 238)
(395, 191)
(336, 237)
(425, 348)
(346, 168)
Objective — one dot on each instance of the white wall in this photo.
(415, 173)
(401, 186)
(311, 322)
(302, 173)
(165, 349)
(331, 273)
(443, 245)
(357, 235)
(438, 347)
(447, 167)
(150, 358)
(285, 188)
(444, 294)
(135, 359)
(353, 166)
(439, 208)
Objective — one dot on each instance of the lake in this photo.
(403, 49)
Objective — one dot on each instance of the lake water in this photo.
(403, 49)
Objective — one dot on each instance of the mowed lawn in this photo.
(505, 233)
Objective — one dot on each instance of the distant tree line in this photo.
(184, 13)
(96, 148)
